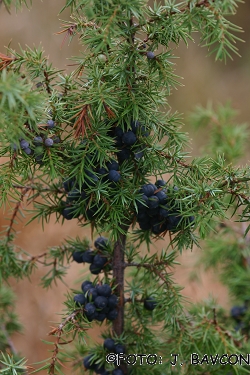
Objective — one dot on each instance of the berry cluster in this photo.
(97, 260)
(78, 199)
(113, 347)
(156, 212)
(98, 301)
(128, 142)
(38, 145)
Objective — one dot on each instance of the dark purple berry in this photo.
(113, 165)
(69, 183)
(237, 312)
(148, 190)
(68, 213)
(150, 55)
(51, 124)
(48, 142)
(105, 310)
(143, 216)
(162, 196)
(118, 142)
(173, 221)
(101, 302)
(99, 261)
(79, 299)
(77, 256)
(88, 362)
(99, 369)
(83, 195)
(57, 139)
(143, 131)
(135, 125)
(164, 211)
(24, 144)
(38, 141)
(119, 348)
(28, 151)
(91, 294)
(145, 225)
(154, 213)
(73, 195)
(109, 344)
(39, 159)
(139, 154)
(104, 290)
(157, 228)
(153, 202)
(90, 213)
(86, 285)
(105, 372)
(191, 219)
(94, 269)
(100, 316)
(119, 132)
(101, 243)
(124, 154)
(143, 205)
(89, 309)
(88, 256)
(102, 171)
(160, 183)
(114, 176)
(112, 314)
(150, 303)
(112, 301)
(91, 179)
(129, 138)
(155, 219)
(117, 371)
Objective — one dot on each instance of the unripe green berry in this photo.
(102, 58)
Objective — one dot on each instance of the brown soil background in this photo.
(203, 80)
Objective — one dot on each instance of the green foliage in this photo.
(8, 318)
(125, 74)
(226, 136)
(17, 3)
(16, 259)
(19, 105)
(12, 367)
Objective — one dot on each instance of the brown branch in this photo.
(58, 332)
(146, 265)
(185, 165)
(47, 82)
(34, 187)
(5, 61)
(15, 212)
(153, 268)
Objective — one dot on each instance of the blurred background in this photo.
(203, 80)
